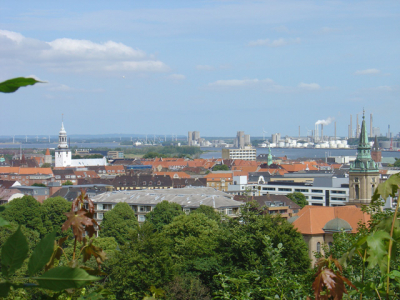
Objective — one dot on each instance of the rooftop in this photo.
(186, 197)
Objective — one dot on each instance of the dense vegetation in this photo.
(205, 255)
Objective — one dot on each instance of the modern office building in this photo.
(245, 153)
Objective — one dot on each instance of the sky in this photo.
(169, 67)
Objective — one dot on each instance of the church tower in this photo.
(269, 156)
(364, 173)
(62, 153)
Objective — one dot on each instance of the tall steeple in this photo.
(364, 172)
(62, 137)
(364, 161)
(269, 157)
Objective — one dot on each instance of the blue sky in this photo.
(168, 67)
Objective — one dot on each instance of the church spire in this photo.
(363, 136)
(364, 161)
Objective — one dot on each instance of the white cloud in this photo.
(309, 86)
(241, 83)
(204, 67)
(274, 43)
(76, 55)
(176, 77)
(367, 72)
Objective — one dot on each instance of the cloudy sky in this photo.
(167, 67)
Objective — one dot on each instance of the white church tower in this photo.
(62, 153)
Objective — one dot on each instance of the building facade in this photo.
(62, 154)
(246, 153)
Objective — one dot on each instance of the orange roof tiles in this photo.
(312, 219)
(25, 171)
(245, 168)
(218, 176)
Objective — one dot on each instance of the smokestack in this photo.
(370, 126)
(357, 133)
(316, 133)
(351, 127)
(322, 132)
(335, 130)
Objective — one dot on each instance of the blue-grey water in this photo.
(291, 153)
(294, 153)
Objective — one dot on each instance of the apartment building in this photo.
(144, 201)
(325, 191)
(245, 153)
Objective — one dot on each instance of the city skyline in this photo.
(215, 66)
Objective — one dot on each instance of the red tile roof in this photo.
(312, 219)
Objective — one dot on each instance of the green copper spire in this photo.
(269, 157)
(363, 162)
(363, 136)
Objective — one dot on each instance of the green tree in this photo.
(120, 223)
(39, 184)
(250, 230)
(25, 211)
(397, 163)
(46, 165)
(163, 214)
(54, 210)
(143, 262)
(68, 182)
(298, 198)
(196, 240)
(154, 155)
(221, 168)
(208, 211)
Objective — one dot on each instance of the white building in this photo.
(63, 155)
(324, 191)
(246, 153)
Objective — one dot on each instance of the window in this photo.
(141, 218)
(318, 247)
(301, 190)
(159, 182)
(144, 208)
(150, 182)
(144, 182)
(100, 216)
(99, 206)
(284, 190)
(229, 211)
(317, 198)
(268, 189)
(317, 191)
(186, 210)
(338, 192)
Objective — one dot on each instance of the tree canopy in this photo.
(119, 223)
(163, 214)
(221, 168)
(298, 198)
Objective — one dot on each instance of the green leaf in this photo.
(2, 208)
(4, 289)
(11, 85)
(14, 252)
(377, 244)
(3, 222)
(42, 254)
(62, 278)
(387, 188)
